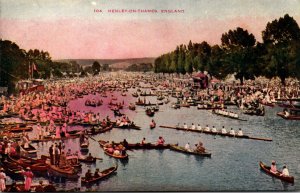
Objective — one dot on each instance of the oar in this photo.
(262, 139)
(92, 138)
(98, 158)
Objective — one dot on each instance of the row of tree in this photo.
(17, 64)
(277, 56)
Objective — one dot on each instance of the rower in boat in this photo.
(193, 127)
(223, 130)
(143, 141)
(88, 175)
(185, 126)
(152, 124)
(188, 147)
(285, 171)
(125, 143)
(207, 128)
(240, 132)
(160, 140)
(231, 132)
(97, 173)
(273, 168)
(199, 147)
(199, 128)
(214, 130)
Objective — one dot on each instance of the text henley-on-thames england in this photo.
(143, 11)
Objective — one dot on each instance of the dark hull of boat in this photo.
(128, 127)
(53, 139)
(105, 173)
(266, 169)
(147, 146)
(182, 149)
(98, 131)
(19, 130)
(291, 117)
(36, 166)
(87, 161)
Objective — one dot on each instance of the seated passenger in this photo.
(240, 132)
(223, 130)
(231, 132)
(214, 130)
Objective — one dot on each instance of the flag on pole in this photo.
(34, 67)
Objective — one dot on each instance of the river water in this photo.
(234, 165)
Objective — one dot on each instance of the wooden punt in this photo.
(46, 139)
(99, 130)
(150, 112)
(67, 172)
(116, 156)
(19, 129)
(217, 133)
(35, 165)
(266, 169)
(105, 173)
(85, 160)
(84, 146)
(12, 168)
(29, 150)
(183, 150)
(102, 143)
(290, 117)
(128, 127)
(147, 146)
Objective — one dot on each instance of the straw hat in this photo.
(28, 168)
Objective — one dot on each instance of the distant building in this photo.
(200, 81)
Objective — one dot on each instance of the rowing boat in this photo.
(128, 127)
(217, 133)
(29, 150)
(35, 165)
(105, 173)
(67, 172)
(99, 130)
(183, 150)
(19, 129)
(85, 160)
(102, 143)
(46, 139)
(84, 146)
(266, 169)
(228, 116)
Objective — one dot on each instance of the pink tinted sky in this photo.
(111, 36)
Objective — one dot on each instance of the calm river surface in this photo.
(234, 165)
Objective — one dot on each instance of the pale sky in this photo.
(71, 29)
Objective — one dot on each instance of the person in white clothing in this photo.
(207, 128)
(199, 127)
(240, 132)
(185, 126)
(285, 171)
(2, 180)
(188, 147)
(232, 132)
(223, 130)
(193, 126)
(214, 130)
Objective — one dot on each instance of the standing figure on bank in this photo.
(28, 178)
